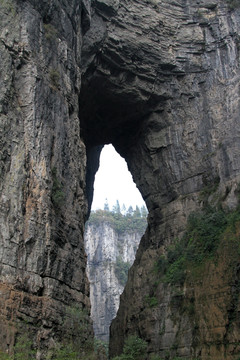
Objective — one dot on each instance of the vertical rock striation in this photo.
(160, 81)
(168, 74)
(42, 169)
(108, 252)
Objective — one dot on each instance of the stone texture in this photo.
(42, 162)
(103, 247)
(159, 80)
(163, 89)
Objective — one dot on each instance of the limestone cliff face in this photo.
(168, 74)
(107, 252)
(42, 169)
(160, 81)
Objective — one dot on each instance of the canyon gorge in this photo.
(158, 79)
(111, 251)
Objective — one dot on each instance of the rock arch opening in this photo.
(122, 111)
(159, 82)
(112, 235)
(109, 120)
(114, 182)
(113, 111)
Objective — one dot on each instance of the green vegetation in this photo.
(101, 348)
(76, 345)
(58, 195)
(4, 356)
(121, 270)
(131, 221)
(134, 349)
(64, 353)
(76, 328)
(209, 189)
(180, 358)
(50, 32)
(23, 350)
(61, 352)
(8, 6)
(157, 357)
(233, 4)
(54, 77)
(200, 243)
(151, 301)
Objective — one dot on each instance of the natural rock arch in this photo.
(149, 89)
(160, 81)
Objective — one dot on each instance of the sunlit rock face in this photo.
(158, 80)
(109, 254)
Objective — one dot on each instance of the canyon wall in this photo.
(167, 73)
(160, 81)
(110, 254)
(43, 203)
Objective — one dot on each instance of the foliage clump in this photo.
(134, 349)
(54, 77)
(8, 7)
(157, 357)
(121, 270)
(50, 32)
(122, 221)
(199, 243)
(23, 349)
(233, 4)
(151, 301)
(129, 221)
(77, 344)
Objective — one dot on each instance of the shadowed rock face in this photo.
(151, 88)
(42, 162)
(158, 80)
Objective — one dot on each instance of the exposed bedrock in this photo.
(161, 83)
(42, 170)
(158, 80)
(110, 254)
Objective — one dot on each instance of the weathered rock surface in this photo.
(163, 88)
(42, 168)
(105, 247)
(160, 80)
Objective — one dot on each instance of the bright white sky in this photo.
(114, 182)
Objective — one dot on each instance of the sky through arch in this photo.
(114, 182)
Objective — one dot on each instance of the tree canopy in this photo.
(120, 219)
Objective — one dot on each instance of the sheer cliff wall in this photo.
(42, 169)
(109, 255)
(164, 90)
(158, 80)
